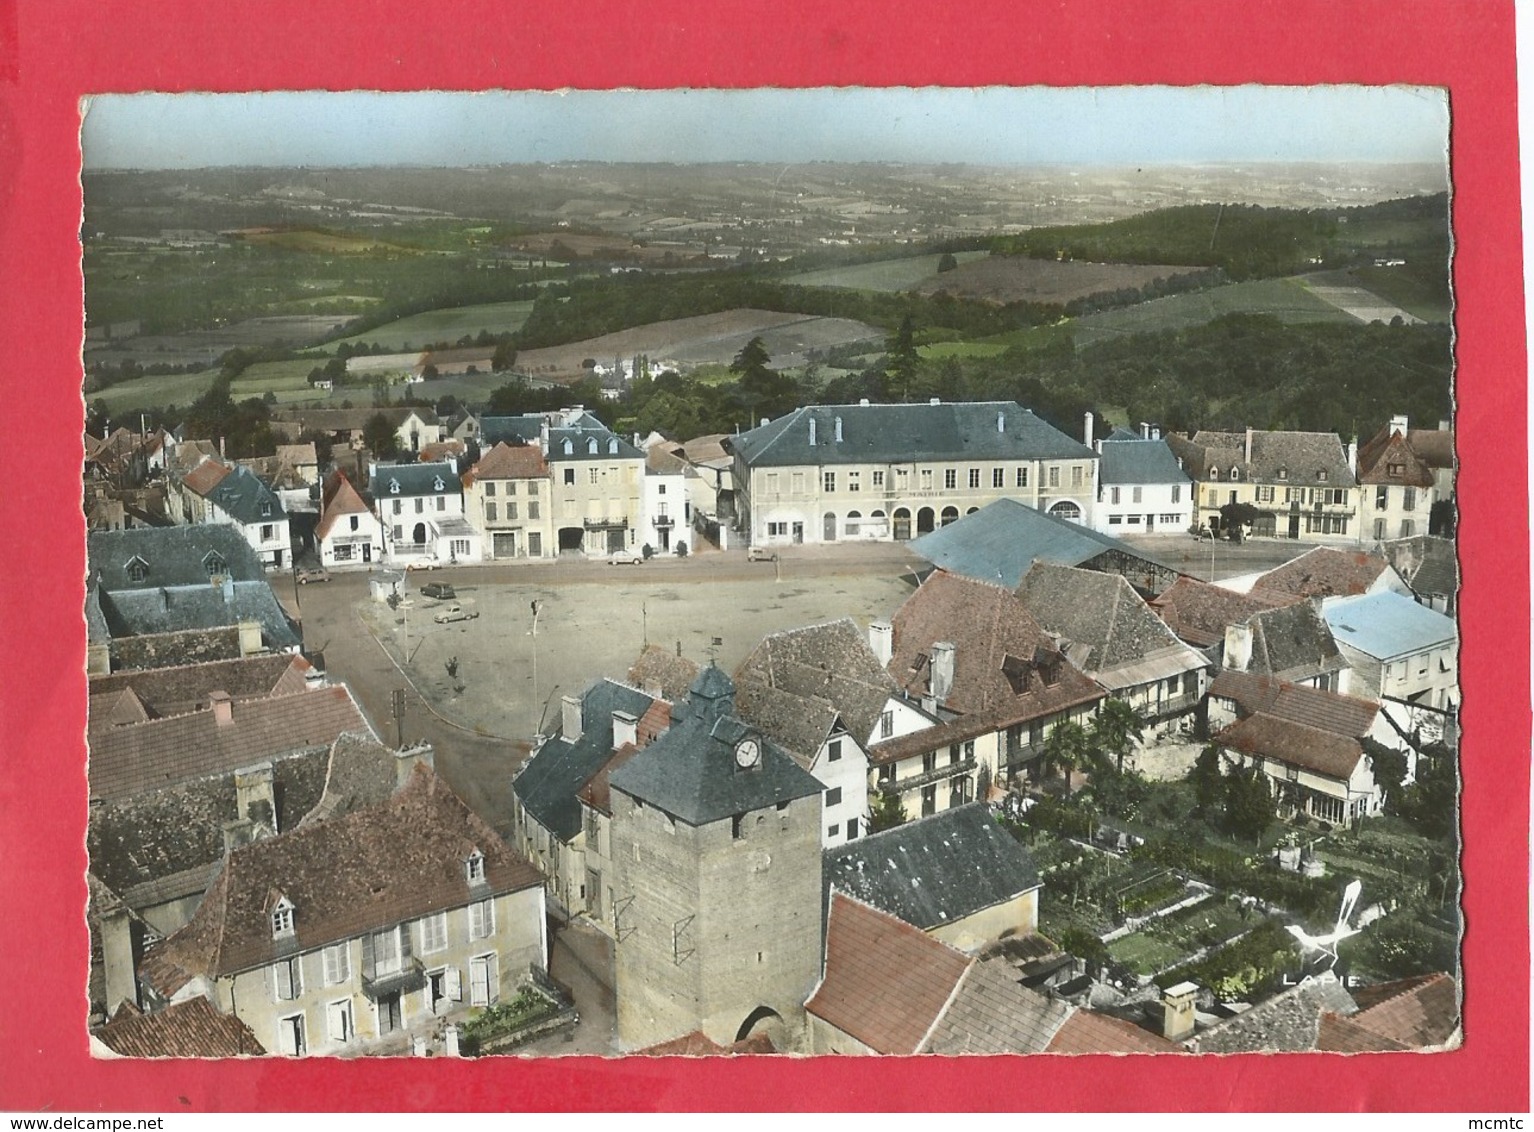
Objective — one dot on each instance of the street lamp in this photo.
(537, 607)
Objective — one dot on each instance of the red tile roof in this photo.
(1322, 572)
(339, 498)
(1087, 1032)
(596, 793)
(1309, 748)
(886, 983)
(1199, 612)
(193, 1028)
(509, 462)
(1391, 449)
(206, 476)
(699, 1044)
(139, 757)
(1414, 1013)
(1296, 703)
(373, 868)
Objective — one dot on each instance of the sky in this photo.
(984, 125)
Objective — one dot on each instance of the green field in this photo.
(446, 325)
(1284, 299)
(1415, 292)
(881, 275)
(287, 381)
(986, 348)
(1144, 954)
(154, 391)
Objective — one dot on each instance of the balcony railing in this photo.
(662, 522)
(410, 976)
(1171, 705)
(927, 778)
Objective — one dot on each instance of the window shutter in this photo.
(454, 979)
(367, 955)
(405, 952)
(284, 973)
(492, 977)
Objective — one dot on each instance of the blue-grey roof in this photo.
(609, 445)
(174, 609)
(999, 542)
(549, 783)
(1139, 461)
(1386, 625)
(906, 433)
(690, 772)
(173, 556)
(435, 478)
(525, 429)
(243, 497)
(934, 871)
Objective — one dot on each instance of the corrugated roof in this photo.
(1387, 625)
(906, 433)
(1003, 539)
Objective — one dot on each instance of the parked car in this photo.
(439, 590)
(422, 564)
(307, 574)
(625, 558)
(761, 554)
(455, 613)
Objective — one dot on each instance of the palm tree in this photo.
(1117, 728)
(1067, 748)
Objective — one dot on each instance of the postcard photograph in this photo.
(772, 572)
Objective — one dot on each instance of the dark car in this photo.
(439, 590)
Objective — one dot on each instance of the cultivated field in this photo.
(1011, 279)
(703, 339)
(883, 275)
(1285, 299)
(446, 325)
(314, 240)
(152, 391)
(205, 347)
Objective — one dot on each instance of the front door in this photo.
(828, 528)
(391, 1016)
(1294, 524)
(367, 552)
(614, 540)
(798, 533)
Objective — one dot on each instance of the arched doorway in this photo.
(571, 538)
(854, 523)
(757, 1016)
(418, 534)
(1065, 509)
(950, 515)
(924, 520)
(828, 527)
(902, 524)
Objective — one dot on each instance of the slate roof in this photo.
(885, 982)
(830, 663)
(935, 871)
(185, 687)
(382, 865)
(1416, 1013)
(175, 556)
(1387, 625)
(550, 781)
(1304, 456)
(359, 771)
(1324, 572)
(338, 499)
(1388, 448)
(992, 1013)
(659, 669)
(1198, 612)
(1003, 539)
(244, 498)
(1296, 703)
(1138, 461)
(1427, 564)
(1087, 1031)
(1289, 1022)
(175, 609)
(1309, 748)
(798, 724)
(690, 772)
(505, 462)
(436, 478)
(194, 1028)
(610, 446)
(905, 433)
(1102, 614)
(992, 632)
(516, 430)
(145, 756)
(1293, 641)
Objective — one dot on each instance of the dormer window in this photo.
(266, 510)
(1283, 473)
(282, 919)
(138, 569)
(569, 448)
(1235, 474)
(591, 446)
(437, 484)
(215, 564)
(612, 446)
(474, 867)
(1214, 473)
(394, 487)
(1321, 476)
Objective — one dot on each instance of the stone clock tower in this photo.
(716, 860)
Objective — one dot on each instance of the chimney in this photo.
(237, 833)
(1353, 457)
(570, 726)
(935, 401)
(881, 641)
(1248, 445)
(1444, 426)
(543, 435)
(1155, 432)
(625, 729)
(863, 402)
(812, 432)
(765, 422)
(406, 759)
(255, 798)
(1399, 424)
(1238, 646)
(1177, 1025)
(1086, 429)
(221, 448)
(117, 963)
(1001, 421)
(226, 585)
(838, 430)
(940, 682)
(1145, 430)
(223, 708)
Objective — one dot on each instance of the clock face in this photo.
(747, 752)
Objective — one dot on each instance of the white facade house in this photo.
(420, 507)
(1398, 649)
(1141, 488)
(233, 495)
(666, 510)
(348, 533)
